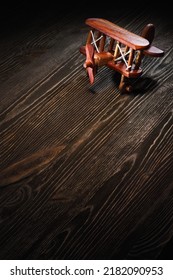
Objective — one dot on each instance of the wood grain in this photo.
(86, 172)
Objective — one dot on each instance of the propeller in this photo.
(89, 62)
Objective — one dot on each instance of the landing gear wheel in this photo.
(124, 86)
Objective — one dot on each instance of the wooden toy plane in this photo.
(117, 48)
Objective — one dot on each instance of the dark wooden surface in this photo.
(86, 172)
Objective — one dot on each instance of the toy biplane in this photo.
(117, 48)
